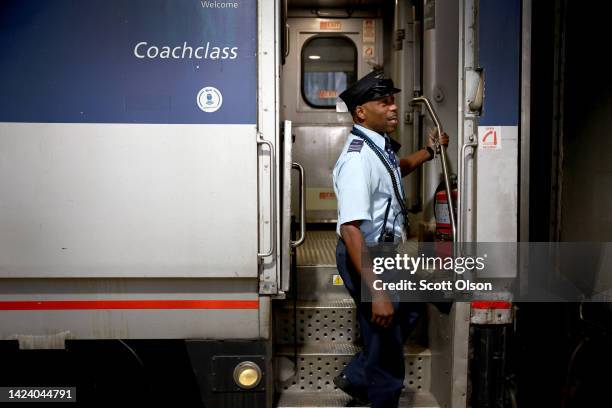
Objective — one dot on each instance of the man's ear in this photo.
(360, 113)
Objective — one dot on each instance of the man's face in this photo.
(379, 115)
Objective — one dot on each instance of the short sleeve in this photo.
(353, 190)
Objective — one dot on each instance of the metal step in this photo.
(319, 248)
(344, 303)
(327, 338)
(317, 275)
(319, 282)
(339, 399)
(318, 364)
(344, 349)
(317, 322)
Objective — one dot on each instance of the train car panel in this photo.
(132, 309)
(119, 200)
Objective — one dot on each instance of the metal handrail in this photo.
(460, 201)
(286, 33)
(437, 145)
(300, 241)
(262, 141)
(287, 40)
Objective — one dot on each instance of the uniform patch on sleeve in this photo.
(355, 146)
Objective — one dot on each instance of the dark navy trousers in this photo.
(379, 367)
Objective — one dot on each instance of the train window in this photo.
(329, 65)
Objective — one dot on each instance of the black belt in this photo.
(396, 243)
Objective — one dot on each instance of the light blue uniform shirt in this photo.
(363, 187)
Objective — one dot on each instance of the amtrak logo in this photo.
(209, 99)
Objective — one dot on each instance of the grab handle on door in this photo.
(262, 141)
(460, 196)
(300, 241)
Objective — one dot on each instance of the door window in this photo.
(329, 66)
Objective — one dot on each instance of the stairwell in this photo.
(323, 316)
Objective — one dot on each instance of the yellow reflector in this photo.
(248, 377)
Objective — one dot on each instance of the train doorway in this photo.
(325, 50)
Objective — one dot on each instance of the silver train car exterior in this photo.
(130, 132)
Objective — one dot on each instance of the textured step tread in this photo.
(319, 248)
(342, 349)
(340, 399)
(347, 303)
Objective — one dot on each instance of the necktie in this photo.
(390, 152)
(393, 160)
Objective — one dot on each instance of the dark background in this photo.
(557, 358)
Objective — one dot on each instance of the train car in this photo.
(167, 221)
(141, 207)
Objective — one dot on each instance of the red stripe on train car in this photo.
(491, 304)
(127, 304)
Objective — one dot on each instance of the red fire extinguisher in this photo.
(444, 230)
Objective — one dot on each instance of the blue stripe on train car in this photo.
(104, 61)
(499, 24)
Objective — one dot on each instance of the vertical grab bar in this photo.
(434, 117)
(262, 141)
(300, 241)
(460, 200)
(287, 33)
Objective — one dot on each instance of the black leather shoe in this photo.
(357, 403)
(359, 394)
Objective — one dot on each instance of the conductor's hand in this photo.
(382, 310)
(432, 137)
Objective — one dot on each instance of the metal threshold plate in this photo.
(334, 304)
(340, 399)
(343, 349)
